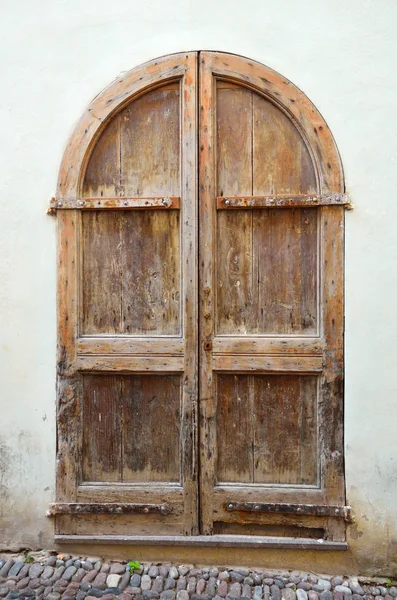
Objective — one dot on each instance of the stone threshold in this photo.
(231, 541)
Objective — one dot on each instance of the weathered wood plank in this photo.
(268, 345)
(286, 266)
(102, 442)
(279, 430)
(235, 461)
(151, 428)
(234, 230)
(110, 345)
(102, 176)
(101, 272)
(150, 266)
(331, 387)
(69, 400)
(150, 144)
(278, 150)
(131, 363)
(255, 362)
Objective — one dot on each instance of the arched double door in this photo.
(200, 309)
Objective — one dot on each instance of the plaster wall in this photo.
(57, 55)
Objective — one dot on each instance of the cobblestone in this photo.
(65, 577)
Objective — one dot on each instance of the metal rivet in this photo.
(125, 202)
(60, 203)
(337, 511)
(256, 507)
(271, 201)
(298, 510)
(145, 510)
(227, 202)
(230, 506)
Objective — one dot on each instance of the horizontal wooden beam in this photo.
(261, 345)
(296, 201)
(230, 541)
(79, 508)
(316, 510)
(265, 363)
(170, 364)
(139, 203)
(110, 345)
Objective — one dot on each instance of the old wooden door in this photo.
(235, 257)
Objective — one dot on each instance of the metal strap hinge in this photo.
(283, 201)
(291, 509)
(92, 508)
(141, 203)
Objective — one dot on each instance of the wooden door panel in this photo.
(265, 315)
(131, 323)
(131, 429)
(267, 429)
(267, 272)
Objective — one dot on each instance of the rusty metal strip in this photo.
(291, 509)
(144, 203)
(77, 508)
(296, 201)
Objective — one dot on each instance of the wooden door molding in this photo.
(93, 201)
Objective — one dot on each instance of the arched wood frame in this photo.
(69, 195)
(139, 80)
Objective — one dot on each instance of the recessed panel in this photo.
(138, 153)
(131, 272)
(267, 429)
(267, 259)
(131, 429)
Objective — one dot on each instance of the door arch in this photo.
(200, 308)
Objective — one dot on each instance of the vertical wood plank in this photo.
(281, 161)
(234, 229)
(308, 427)
(234, 429)
(102, 176)
(331, 399)
(207, 246)
(68, 381)
(101, 272)
(150, 143)
(276, 417)
(233, 141)
(151, 428)
(189, 272)
(102, 428)
(150, 266)
(286, 270)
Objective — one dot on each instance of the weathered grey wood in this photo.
(260, 301)
(151, 428)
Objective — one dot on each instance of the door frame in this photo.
(136, 82)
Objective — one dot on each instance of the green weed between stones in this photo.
(28, 559)
(133, 566)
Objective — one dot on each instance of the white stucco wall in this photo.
(57, 55)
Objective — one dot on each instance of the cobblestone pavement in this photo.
(63, 577)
